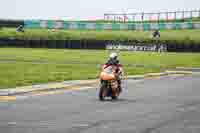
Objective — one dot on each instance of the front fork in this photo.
(107, 86)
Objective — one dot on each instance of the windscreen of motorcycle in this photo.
(108, 70)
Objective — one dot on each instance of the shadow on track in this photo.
(120, 100)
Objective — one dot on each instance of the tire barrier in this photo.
(101, 44)
(11, 23)
(55, 44)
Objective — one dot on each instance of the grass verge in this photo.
(175, 36)
(20, 66)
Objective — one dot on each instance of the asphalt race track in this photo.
(159, 105)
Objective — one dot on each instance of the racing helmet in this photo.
(113, 56)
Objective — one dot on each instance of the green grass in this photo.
(20, 66)
(180, 36)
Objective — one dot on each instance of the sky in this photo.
(86, 9)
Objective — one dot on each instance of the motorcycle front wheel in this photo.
(102, 92)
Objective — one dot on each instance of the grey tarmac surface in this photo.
(168, 104)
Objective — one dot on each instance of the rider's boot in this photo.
(120, 87)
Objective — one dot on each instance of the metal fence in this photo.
(153, 16)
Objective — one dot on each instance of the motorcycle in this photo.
(109, 85)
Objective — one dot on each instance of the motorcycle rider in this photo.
(118, 69)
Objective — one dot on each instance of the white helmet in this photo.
(113, 55)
